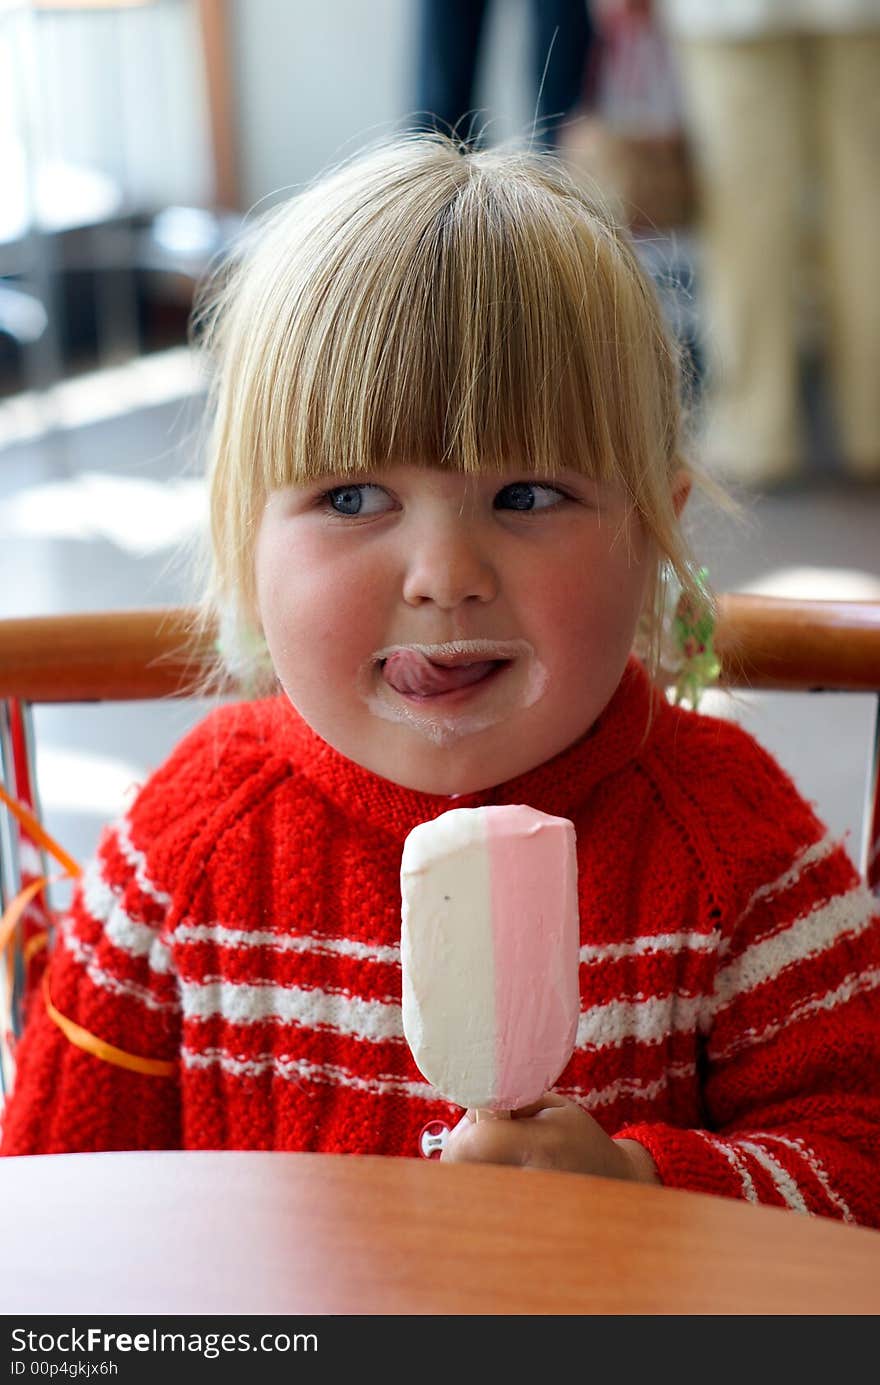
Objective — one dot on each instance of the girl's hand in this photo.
(554, 1133)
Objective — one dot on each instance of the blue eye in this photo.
(529, 495)
(349, 501)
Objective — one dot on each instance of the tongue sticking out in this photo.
(412, 673)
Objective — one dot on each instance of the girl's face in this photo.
(450, 632)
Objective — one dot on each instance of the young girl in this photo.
(446, 485)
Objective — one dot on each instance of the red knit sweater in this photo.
(243, 921)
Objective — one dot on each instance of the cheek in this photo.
(310, 605)
(593, 601)
(286, 586)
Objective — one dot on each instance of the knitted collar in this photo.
(556, 786)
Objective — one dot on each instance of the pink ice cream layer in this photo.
(536, 989)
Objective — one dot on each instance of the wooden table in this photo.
(158, 1233)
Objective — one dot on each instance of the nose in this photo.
(447, 565)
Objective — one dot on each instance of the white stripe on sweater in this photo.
(138, 862)
(294, 1069)
(298, 1070)
(782, 1179)
(809, 856)
(649, 1020)
(390, 953)
(222, 936)
(811, 1160)
(240, 1003)
(857, 983)
(634, 1087)
(646, 944)
(124, 932)
(736, 1162)
(601, 1026)
(808, 937)
(84, 953)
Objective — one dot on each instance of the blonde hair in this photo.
(429, 304)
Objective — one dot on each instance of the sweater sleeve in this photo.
(111, 972)
(111, 975)
(790, 1034)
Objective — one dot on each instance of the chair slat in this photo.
(763, 642)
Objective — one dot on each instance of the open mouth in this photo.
(414, 674)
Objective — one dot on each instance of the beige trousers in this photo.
(786, 134)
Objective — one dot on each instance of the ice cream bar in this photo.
(489, 951)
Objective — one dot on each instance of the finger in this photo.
(542, 1104)
(485, 1142)
(548, 1100)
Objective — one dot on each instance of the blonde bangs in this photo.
(436, 307)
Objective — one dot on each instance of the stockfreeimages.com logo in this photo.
(208, 1344)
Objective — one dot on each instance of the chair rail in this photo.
(763, 642)
(112, 656)
(778, 642)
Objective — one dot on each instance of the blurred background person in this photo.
(783, 102)
(449, 44)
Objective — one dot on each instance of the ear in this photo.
(681, 489)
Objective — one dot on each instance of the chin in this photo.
(442, 773)
(448, 786)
